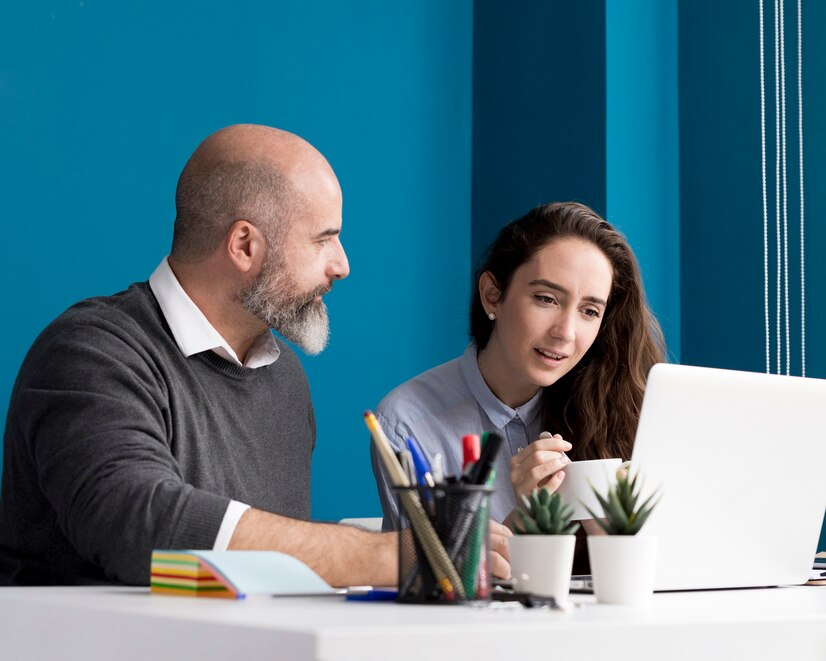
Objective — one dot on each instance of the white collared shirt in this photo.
(192, 331)
(194, 334)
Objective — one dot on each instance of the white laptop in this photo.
(739, 458)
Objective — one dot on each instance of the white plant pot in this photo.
(623, 567)
(541, 564)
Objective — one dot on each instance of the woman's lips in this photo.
(549, 355)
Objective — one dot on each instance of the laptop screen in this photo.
(734, 453)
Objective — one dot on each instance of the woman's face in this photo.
(547, 320)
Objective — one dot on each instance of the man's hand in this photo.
(539, 465)
(341, 555)
(500, 555)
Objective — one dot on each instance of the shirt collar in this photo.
(500, 414)
(192, 331)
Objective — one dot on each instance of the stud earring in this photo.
(491, 316)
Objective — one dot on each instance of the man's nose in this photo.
(339, 266)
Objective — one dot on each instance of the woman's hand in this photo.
(591, 527)
(499, 555)
(540, 464)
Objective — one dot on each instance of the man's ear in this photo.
(489, 292)
(245, 246)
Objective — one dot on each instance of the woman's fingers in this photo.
(547, 448)
(527, 476)
(552, 482)
(500, 556)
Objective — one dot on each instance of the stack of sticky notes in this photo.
(232, 574)
(184, 573)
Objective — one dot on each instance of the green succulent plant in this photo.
(544, 513)
(622, 516)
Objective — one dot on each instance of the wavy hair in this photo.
(597, 404)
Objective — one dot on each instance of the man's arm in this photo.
(341, 555)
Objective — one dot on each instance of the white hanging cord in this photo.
(782, 336)
(765, 203)
(802, 206)
(777, 173)
(785, 186)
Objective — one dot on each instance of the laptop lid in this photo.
(743, 493)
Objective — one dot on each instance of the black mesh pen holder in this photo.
(444, 544)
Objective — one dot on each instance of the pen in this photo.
(438, 469)
(474, 464)
(398, 478)
(374, 594)
(482, 468)
(406, 459)
(470, 454)
(424, 474)
(470, 450)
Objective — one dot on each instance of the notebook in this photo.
(743, 494)
(233, 574)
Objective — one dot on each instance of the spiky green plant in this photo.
(544, 513)
(622, 516)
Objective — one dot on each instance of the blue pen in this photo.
(420, 463)
(376, 594)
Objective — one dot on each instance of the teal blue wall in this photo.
(642, 147)
(102, 102)
(538, 109)
(578, 101)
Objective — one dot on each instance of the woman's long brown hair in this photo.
(596, 406)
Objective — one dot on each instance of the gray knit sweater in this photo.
(116, 444)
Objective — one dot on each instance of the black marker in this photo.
(481, 469)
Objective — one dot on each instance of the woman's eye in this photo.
(592, 313)
(545, 299)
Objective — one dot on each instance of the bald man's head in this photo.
(242, 172)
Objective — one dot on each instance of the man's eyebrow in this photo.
(332, 231)
(552, 285)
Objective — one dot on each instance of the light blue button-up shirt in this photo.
(440, 406)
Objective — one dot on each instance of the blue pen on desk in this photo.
(374, 594)
(424, 475)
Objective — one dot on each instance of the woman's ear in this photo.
(489, 292)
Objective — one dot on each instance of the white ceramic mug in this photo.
(576, 487)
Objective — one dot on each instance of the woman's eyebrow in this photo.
(552, 285)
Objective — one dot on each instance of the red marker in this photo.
(471, 449)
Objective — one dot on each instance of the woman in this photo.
(562, 343)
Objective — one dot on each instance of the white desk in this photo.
(127, 623)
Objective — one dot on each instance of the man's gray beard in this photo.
(298, 317)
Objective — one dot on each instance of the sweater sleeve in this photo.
(93, 413)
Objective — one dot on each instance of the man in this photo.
(168, 416)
